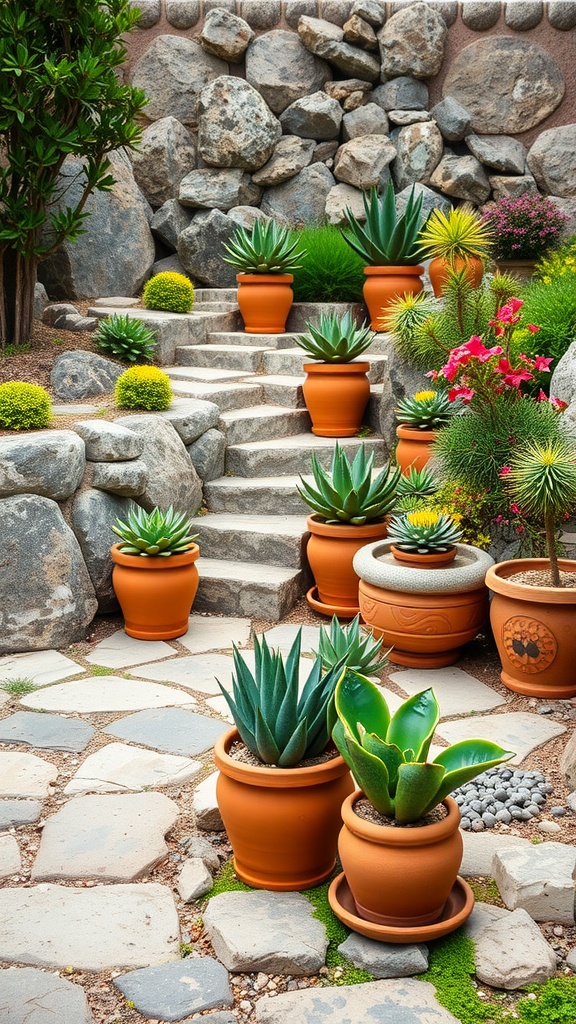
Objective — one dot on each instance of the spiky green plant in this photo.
(125, 338)
(347, 493)
(387, 755)
(426, 410)
(419, 483)
(335, 339)
(352, 646)
(154, 533)
(455, 235)
(278, 726)
(267, 248)
(331, 271)
(386, 239)
(423, 532)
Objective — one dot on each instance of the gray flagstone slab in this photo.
(457, 692)
(30, 996)
(40, 667)
(10, 860)
(119, 767)
(212, 633)
(50, 732)
(121, 650)
(402, 1001)
(283, 637)
(196, 672)
(18, 812)
(25, 775)
(172, 990)
(106, 693)
(172, 730)
(520, 731)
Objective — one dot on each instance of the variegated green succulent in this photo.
(387, 754)
(335, 339)
(268, 248)
(427, 410)
(347, 493)
(154, 533)
(423, 532)
(351, 645)
(386, 239)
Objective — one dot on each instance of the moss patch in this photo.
(341, 970)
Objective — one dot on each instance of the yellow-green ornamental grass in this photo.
(143, 387)
(24, 406)
(170, 291)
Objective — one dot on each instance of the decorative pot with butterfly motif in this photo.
(534, 627)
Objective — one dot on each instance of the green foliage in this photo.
(101, 670)
(386, 238)
(555, 1003)
(24, 406)
(277, 724)
(426, 410)
(227, 881)
(268, 248)
(419, 483)
(552, 306)
(17, 686)
(330, 271)
(450, 967)
(143, 387)
(352, 646)
(559, 262)
(423, 532)
(485, 890)
(125, 338)
(455, 235)
(335, 339)
(470, 507)
(342, 971)
(169, 290)
(154, 533)
(347, 492)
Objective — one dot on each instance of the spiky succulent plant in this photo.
(335, 339)
(347, 493)
(268, 248)
(455, 235)
(426, 410)
(278, 726)
(351, 645)
(386, 239)
(418, 483)
(154, 533)
(423, 532)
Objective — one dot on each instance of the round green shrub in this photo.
(170, 291)
(24, 406)
(143, 387)
(331, 271)
(125, 338)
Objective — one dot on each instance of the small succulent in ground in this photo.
(268, 248)
(335, 339)
(426, 410)
(170, 291)
(125, 338)
(423, 532)
(154, 533)
(347, 492)
(351, 644)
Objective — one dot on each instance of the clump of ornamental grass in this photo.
(330, 271)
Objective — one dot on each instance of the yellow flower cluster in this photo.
(423, 518)
(424, 396)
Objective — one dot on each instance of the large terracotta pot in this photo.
(336, 395)
(425, 614)
(386, 283)
(414, 447)
(282, 823)
(438, 271)
(522, 270)
(265, 301)
(331, 550)
(400, 876)
(155, 594)
(534, 629)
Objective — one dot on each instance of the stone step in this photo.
(264, 495)
(210, 375)
(291, 454)
(273, 540)
(262, 422)
(229, 357)
(221, 336)
(281, 390)
(289, 361)
(174, 329)
(301, 312)
(215, 294)
(234, 395)
(215, 306)
(258, 590)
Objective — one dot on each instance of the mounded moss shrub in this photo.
(24, 406)
(169, 290)
(143, 387)
(331, 271)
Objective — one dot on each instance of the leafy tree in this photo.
(60, 93)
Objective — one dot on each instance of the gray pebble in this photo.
(488, 819)
(558, 812)
(504, 816)
(465, 823)
(478, 825)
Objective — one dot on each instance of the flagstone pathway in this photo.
(110, 836)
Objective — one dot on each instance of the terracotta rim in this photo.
(264, 278)
(394, 271)
(393, 836)
(341, 611)
(337, 368)
(497, 580)
(432, 559)
(153, 561)
(344, 530)
(415, 434)
(275, 778)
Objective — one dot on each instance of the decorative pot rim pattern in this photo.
(154, 561)
(267, 775)
(497, 580)
(375, 564)
(394, 269)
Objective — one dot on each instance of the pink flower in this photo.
(542, 363)
(514, 379)
(541, 396)
(450, 370)
(433, 374)
(558, 404)
(533, 328)
(504, 471)
(477, 350)
(461, 392)
(514, 508)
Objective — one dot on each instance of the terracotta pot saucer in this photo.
(342, 611)
(457, 908)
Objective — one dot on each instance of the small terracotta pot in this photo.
(400, 876)
(282, 823)
(383, 284)
(433, 560)
(155, 594)
(438, 271)
(264, 301)
(331, 549)
(414, 448)
(336, 395)
(535, 630)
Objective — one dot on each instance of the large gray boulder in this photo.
(108, 442)
(169, 222)
(326, 40)
(172, 73)
(419, 150)
(79, 374)
(46, 597)
(463, 177)
(302, 200)
(412, 42)
(116, 253)
(280, 67)
(552, 161)
(172, 479)
(498, 151)
(50, 463)
(290, 156)
(402, 93)
(94, 512)
(225, 35)
(313, 117)
(452, 118)
(166, 153)
(364, 162)
(218, 188)
(369, 119)
(200, 249)
(236, 128)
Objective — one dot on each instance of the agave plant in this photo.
(280, 727)
(387, 754)
(346, 493)
(154, 533)
(386, 238)
(125, 338)
(419, 483)
(455, 235)
(352, 646)
(335, 339)
(427, 410)
(268, 248)
(423, 532)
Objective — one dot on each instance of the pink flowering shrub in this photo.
(524, 228)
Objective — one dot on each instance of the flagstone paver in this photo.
(205, 805)
(215, 634)
(219, 705)
(480, 847)
(106, 693)
(540, 879)
(18, 812)
(402, 1001)
(40, 667)
(25, 775)
(194, 880)
(111, 838)
(457, 692)
(383, 959)
(511, 952)
(107, 927)
(520, 731)
(120, 650)
(10, 860)
(30, 996)
(49, 732)
(172, 730)
(172, 990)
(119, 767)
(196, 671)
(283, 637)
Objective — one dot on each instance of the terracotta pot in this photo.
(265, 301)
(433, 560)
(534, 629)
(414, 447)
(155, 594)
(282, 823)
(384, 284)
(336, 395)
(425, 614)
(331, 549)
(400, 876)
(523, 270)
(438, 271)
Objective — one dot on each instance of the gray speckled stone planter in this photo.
(425, 615)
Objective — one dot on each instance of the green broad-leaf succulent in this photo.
(386, 238)
(348, 492)
(351, 645)
(268, 248)
(335, 339)
(423, 532)
(154, 533)
(277, 724)
(388, 753)
(426, 410)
